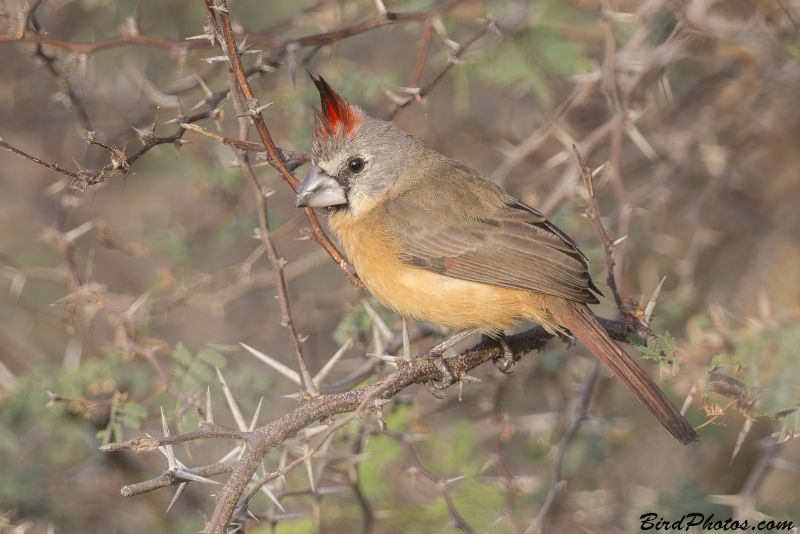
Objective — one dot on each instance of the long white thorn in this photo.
(272, 497)
(268, 493)
(384, 329)
(209, 413)
(309, 469)
(598, 172)
(651, 306)
(385, 357)
(254, 422)
(178, 493)
(325, 371)
(234, 452)
(278, 366)
(186, 475)
(377, 338)
(748, 424)
(170, 453)
(689, 399)
(282, 464)
(640, 141)
(237, 413)
(133, 308)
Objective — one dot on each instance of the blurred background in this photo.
(693, 102)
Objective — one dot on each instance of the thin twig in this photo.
(277, 263)
(264, 439)
(452, 62)
(254, 113)
(594, 214)
(557, 484)
(441, 484)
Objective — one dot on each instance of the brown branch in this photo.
(169, 478)
(113, 42)
(371, 365)
(146, 444)
(277, 263)
(265, 439)
(381, 19)
(86, 177)
(594, 214)
(732, 388)
(280, 44)
(452, 61)
(440, 483)
(254, 111)
(292, 159)
(51, 166)
(422, 55)
(558, 483)
(51, 62)
(363, 502)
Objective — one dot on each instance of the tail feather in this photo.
(583, 324)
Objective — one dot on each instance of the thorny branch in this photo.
(594, 215)
(281, 46)
(400, 103)
(262, 440)
(558, 484)
(277, 263)
(443, 485)
(339, 397)
(254, 112)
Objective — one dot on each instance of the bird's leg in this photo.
(437, 354)
(406, 341)
(506, 362)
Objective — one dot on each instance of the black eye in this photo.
(356, 165)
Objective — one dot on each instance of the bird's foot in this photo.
(504, 363)
(448, 378)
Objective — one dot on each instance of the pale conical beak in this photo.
(319, 190)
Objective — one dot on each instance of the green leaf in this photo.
(132, 414)
(220, 347)
(181, 355)
(668, 343)
(117, 428)
(212, 357)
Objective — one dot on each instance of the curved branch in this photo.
(263, 440)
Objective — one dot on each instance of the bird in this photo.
(435, 240)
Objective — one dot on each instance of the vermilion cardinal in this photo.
(435, 240)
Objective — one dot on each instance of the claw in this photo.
(448, 378)
(505, 363)
(432, 390)
(436, 353)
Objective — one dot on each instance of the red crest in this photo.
(336, 114)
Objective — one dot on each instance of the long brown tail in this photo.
(583, 324)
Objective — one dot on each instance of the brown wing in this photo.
(483, 235)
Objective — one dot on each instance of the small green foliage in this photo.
(192, 372)
(358, 322)
(131, 415)
(661, 349)
(663, 346)
(123, 414)
(178, 245)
